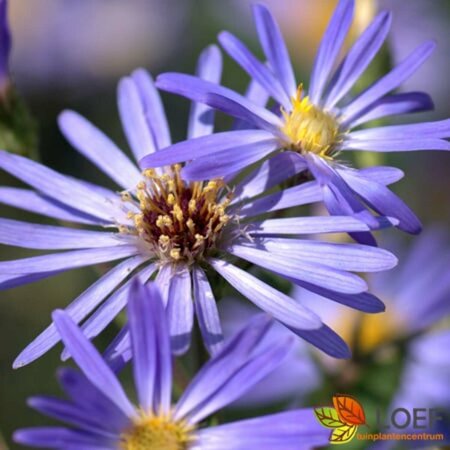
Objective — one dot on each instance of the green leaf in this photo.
(328, 417)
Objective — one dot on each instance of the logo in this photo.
(343, 418)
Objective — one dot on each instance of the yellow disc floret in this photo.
(151, 432)
(308, 128)
(179, 221)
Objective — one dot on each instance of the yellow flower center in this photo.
(157, 433)
(309, 128)
(179, 221)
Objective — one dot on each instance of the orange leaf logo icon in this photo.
(349, 410)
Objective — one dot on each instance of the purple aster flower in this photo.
(165, 227)
(316, 126)
(5, 46)
(101, 416)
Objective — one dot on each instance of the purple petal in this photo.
(389, 82)
(329, 48)
(61, 188)
(87, 397)
(308, 225)
(40, 204)
(153, 109)
(439, 129)
(352, 257)
(280, 306)
(5, 44)
(119, 353)
(255, 68)
(234, 354)
(151, 347)
(205, 146)
(61, 438)
(396, 145)
(385, 202)
(303, 194)
(163, 280)
(228, 161)
(326, 340)
(290, 430)
(134, 121)
(105, 314)
(198, 90)
(296, 268)
(47, 237)
(363, 302)
(381, 174)
(274, 48)
(206, 310)
(392, 105)
(180, 311)
(201, 117)
(67, 260)
(358, 58)
(99, 149)
(79, 309)
(249, 374)
(270, 173)
(72, 414)
(91, 363)
(257, 95)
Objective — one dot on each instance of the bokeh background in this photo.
(71, 54)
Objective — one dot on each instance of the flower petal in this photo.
(358, 58)
(99, 149)
(290, 430)
(396, 145)
(47, 237)
(307, 225)
(228, 161)
(249, 374)
(206, 146)
(206, 310)
(303, 194)
(79, 309)
(329, 48)
(280, 306)
(296, 268)
(91, 362)
(255, 68)
(40, 204)
(180, 311)
(61, 188)
(276, 169)
(352, 257)
(201, 117)
(59, 437)
(393, 105)
(388, 82)
(198, 90)
(153, 109)
(274, 48)
(134, 121)
(385, 202)
(67, 260)
(212, 375)
(151, 347)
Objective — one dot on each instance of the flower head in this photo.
(318, 125)
(177, 232)
(100, 414)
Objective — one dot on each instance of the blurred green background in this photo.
(71, 54)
